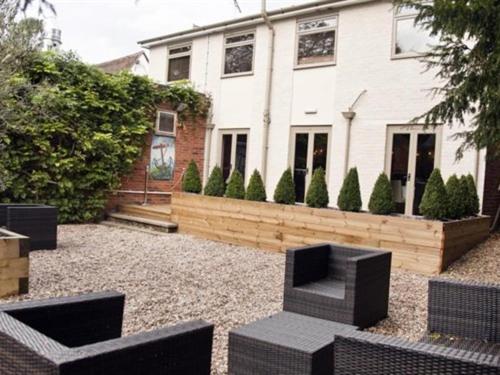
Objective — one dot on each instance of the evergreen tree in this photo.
(317, 194)
(457, 197)
(350, 196)
(472, 197)
(381, 202)
(215, 185)
(191, 183)
(434, 204)
(236, 186)
(256, 190)
(285, 190)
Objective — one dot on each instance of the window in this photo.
(179, 61)
(409, 39)
(239, 52)
(233, 152)
(316, 41)
(166, 123)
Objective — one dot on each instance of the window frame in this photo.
(178, 55)
(395, 19)
(225, 46)
(298, 33)
(157, 123)
(234, 132)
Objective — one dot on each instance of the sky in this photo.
(101, 30)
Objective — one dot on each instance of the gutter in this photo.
(268, 96)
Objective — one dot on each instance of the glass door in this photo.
(309, 151)
(233, 153)
(412, 155)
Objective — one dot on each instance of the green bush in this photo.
(215, 185)
(236, 186)
(317, 194)
(457, 193)
(350, 196)
(191, 183)
(381, 202)
(472, 197)
(285, 190)
(434, 204)
(256, 190)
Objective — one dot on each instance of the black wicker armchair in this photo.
(81, 335)
(38, 222)
(339, 283)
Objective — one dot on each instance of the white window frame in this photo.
(315, 31)
(234, 133)
(157, 123)
(177, 55)
(238, 44)
(396, 17)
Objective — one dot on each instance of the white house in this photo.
(329, 83)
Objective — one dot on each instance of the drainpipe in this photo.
(269, 84)
(349, 116)
(209, 127)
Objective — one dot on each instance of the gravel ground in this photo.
(174, 278)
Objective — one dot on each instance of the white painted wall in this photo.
(397, 91)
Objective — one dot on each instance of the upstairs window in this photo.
(238, 53)
(179, 61)
(166, 123)
(316, 41)
(410, 39)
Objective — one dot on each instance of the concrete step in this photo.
(153, 212)
(159, 225)
(133, 227)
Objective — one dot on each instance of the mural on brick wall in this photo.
(162, 158)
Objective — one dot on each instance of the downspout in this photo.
(209, 127)
(349, 116)
(268, 97)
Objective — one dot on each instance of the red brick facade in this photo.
(491, 197)
(189, 145)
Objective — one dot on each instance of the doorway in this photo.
(309, 151)
(233, 152)
(412, 153)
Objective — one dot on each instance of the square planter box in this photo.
(14, 263)
(418, 245)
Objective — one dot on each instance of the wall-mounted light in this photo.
(181, 107)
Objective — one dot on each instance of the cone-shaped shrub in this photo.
(256, 190)
(285, 190)
(434, 204)
(235, 187)
(317, 194)
(472, 197)
(350, 196)
(191, 182)
(215, 185)
(457, 193)
(381, 202)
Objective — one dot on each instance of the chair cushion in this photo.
(327, 287)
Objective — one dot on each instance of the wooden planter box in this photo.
(14, 263)
(422, 246)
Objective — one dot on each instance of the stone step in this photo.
(159, 225)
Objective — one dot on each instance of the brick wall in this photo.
(491, 197)
(189, 145)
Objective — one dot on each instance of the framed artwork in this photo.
(162, 162)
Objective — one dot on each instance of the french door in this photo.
(233, 152)
(412, 154)
(309, 151)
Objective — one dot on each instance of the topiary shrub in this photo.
(256, 190)
(457, 194)
(381, 202)
(215, 186)
(350, 196)
(285, 190)
(191, 183)
(472, 197)
(434, 204)
(236, 186)
(317, 194)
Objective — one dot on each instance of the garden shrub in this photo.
(285, 190)
(256, 190)
(215, 185)
(317, 194)
(434, 204)
(191, 183)
(349, 198)
(457, 194)
(236, 186)
(381, 202)
(472, 207)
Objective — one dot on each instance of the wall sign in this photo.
(162, 162)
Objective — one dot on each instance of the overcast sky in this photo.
(100, 30)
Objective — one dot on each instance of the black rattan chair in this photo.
(338, 283)
(38, 222)
(82, 335)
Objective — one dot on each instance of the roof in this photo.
(257, 18)
(122, 63)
